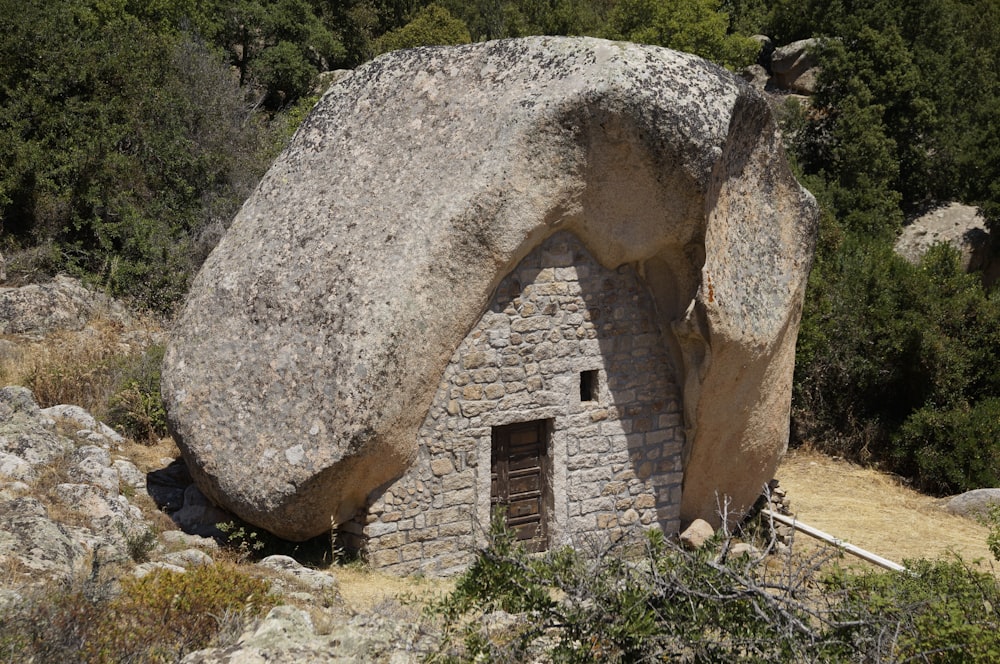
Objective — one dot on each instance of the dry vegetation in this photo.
(84, 368)
(876, 511)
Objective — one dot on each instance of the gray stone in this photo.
(129, 473)
(287, 636)
(180, 538)
(188, 558)
(86, 422)
(146, 569)
(199, 516)
(974, 504)
(26, 433)
(315, 337)
(92, 464)
(61, 304)
(310, 578)
(40, 544)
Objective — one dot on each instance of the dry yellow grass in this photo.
(76, 367)
(363, 589)
(875, 511)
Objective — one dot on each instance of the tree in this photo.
(278, 44)
(432, 25)
(695, 26)
(127, 148)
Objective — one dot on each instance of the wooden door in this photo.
(519, 480)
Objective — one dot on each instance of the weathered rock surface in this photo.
(61, 304)
(696, 534)
(287, 636)
(77, 479)
(314, 338)
(961, 226)
(974, 504)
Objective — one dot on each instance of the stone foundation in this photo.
(615, 435)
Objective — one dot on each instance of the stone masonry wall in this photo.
(615, 461)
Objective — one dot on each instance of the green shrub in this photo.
(897, 364)
(653, 601)
(136, 408)
(951, 451)
(164, 615)
(941, 611)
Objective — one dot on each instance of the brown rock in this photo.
(696, 534)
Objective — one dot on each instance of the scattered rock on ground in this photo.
(696, 534)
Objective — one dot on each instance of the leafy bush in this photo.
(897, 363)
(158, 618)
(944, 611)
(136, 408)
(951, 451)
(655, 601)
(432, 25)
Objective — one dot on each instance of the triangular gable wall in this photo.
(615, 461)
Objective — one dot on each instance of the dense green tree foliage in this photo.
(125, 149)
(432, 25)
(131, 130)
(899, 364)
(695, 26)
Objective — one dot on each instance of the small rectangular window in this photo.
(589, 389)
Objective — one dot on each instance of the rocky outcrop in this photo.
(61, 506)
(288, 635)
(61, 304)
(315, 336)
(961, 226)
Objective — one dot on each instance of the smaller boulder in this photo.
(188, 558)
(794, 67)
(87, 424)
(310, 578)
(695, 535)
(61, 304)
(961, 226)
(200, 516)
(974, 504)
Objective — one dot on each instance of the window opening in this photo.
(589, 389)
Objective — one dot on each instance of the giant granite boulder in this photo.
(316, 334)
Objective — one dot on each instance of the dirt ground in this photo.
(876, 511)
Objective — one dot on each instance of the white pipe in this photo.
(830, 539)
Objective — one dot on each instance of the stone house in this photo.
(562, 276)
(561, 405)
